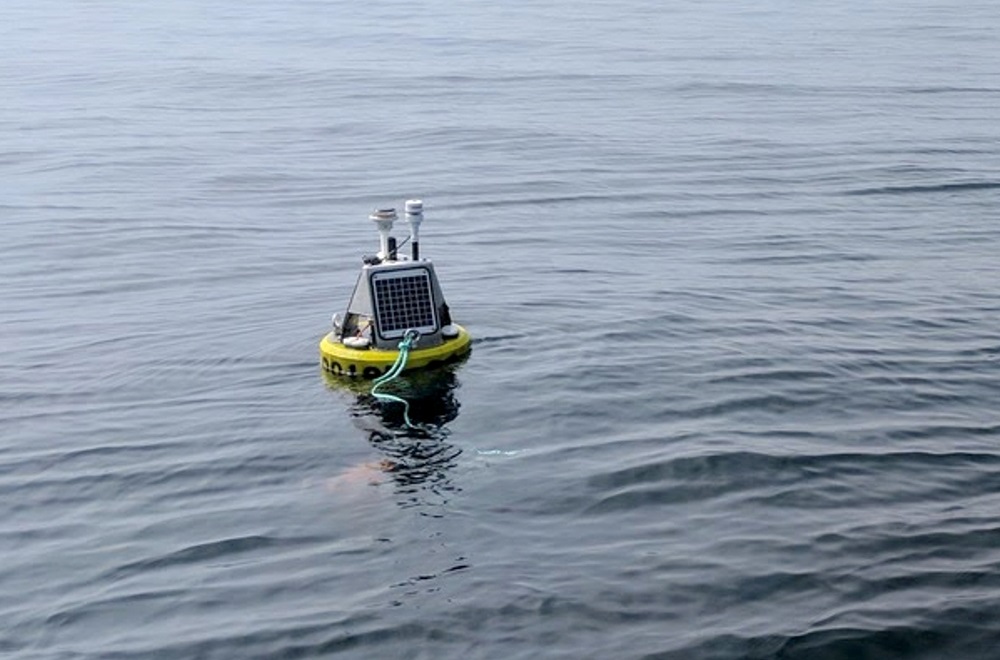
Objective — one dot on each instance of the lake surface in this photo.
(732, 273)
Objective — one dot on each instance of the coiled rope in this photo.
(409, 341)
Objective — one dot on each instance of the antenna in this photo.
(383, 219)
(414, 216)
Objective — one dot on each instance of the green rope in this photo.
(409, 340)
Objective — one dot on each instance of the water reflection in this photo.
(417, 458)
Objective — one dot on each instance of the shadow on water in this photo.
(417, 457)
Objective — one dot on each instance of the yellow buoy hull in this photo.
(372, 362)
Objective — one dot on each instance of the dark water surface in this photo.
(732, 270)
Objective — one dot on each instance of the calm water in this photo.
(732, 270)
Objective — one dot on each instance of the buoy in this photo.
(396, 299)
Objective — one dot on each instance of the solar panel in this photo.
(403, 301)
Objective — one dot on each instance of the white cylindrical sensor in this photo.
(383, 219)
(414, 216)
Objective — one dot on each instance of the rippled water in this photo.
(732, 273)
